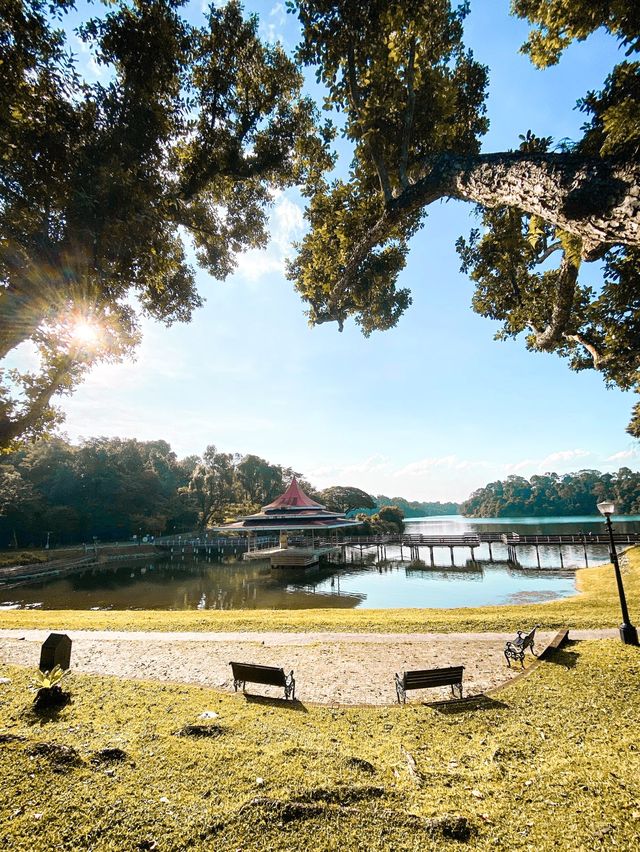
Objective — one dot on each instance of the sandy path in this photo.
(330, 668)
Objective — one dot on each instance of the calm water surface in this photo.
(198, 583)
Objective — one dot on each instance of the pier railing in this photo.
(203, 540)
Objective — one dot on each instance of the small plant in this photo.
(48, 690)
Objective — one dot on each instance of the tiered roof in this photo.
(293, 510)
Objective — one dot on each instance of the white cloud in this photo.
(560, 459)
(90, 66)
(565, 455)
(272, 30)
(426, 465)
(623, 454)
(204, 7)
(333, 474)
(286, 223)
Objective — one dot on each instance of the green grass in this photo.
(22, 557)
(549, 763)
(596, 606)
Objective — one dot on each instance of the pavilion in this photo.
(293, 511)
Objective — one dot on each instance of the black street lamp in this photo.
(628, 633)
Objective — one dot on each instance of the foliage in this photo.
(551, 494)
(47, 680)
(188, 132)
(105, 487)
(560, 22)
(408, 89)
(114, 488)
(597, 605)
(413, 101)
(340, 498)
(49, 695)
(417, 508)
(225, 485)
(565, 734)
(388, 519)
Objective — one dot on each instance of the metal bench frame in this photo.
(515, 650)
(244, 673)
(428, 678)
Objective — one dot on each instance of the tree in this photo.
(551, 494)
(389, 519)
(212, 486)
(258, 480)
(189, 131)
(341, 498)
(413, 101)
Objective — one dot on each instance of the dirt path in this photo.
(330, 668)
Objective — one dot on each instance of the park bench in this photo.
(244, 673)
(515, 650)
(428, 678)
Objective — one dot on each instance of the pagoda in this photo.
(292, 511)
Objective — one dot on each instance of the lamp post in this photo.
(628, 633)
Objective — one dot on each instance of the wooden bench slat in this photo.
(432, 677)
(269, 675)
(428, 678)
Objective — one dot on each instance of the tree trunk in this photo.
(597, 200)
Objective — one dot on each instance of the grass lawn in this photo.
(596, 606)
(550, 763)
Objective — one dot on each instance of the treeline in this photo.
(552, 494)
(114, 489)
(416, 509)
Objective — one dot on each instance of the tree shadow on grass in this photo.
(472, 703)
(282, 703)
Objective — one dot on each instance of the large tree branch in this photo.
(595, 353)
(554, 333)
(371, 136)
(13, 428)
(597, 200)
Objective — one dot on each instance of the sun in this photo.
(85, 332)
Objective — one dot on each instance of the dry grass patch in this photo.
(552, 765)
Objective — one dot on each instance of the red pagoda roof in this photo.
(293, 497)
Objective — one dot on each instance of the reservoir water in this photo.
(187, 582)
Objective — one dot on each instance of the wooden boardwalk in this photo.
(266, 547)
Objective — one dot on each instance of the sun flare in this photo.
(85, 332)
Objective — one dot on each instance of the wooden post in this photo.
(561, 559)
(538, 554)
(490, 553)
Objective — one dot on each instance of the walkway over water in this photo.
(190, 542)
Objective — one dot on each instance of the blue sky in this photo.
(430, 410)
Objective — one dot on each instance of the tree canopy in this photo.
(191, 128)
(551, 494)
(114, 488)
(556, 256)
(341, 498)
(186, 135)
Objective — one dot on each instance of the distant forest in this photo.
(114, 489)
(551, 494)
(416, 509)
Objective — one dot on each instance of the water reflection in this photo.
(189, 583)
